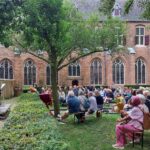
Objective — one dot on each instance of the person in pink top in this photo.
(134, 122)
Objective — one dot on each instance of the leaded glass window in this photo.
(96, 72)
(74, 69)
(118, 71)
(29, 72)
(48, 75)
(6, 69)
(140, 71)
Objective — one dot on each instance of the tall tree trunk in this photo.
(54, 79)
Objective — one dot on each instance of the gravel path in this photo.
(12, 103)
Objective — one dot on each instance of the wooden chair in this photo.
(146, 126)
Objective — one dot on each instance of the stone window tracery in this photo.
(96, 72)
(74, 69)
(48, 75)
(118, 71)
(140, 71)
(6, 69)
(29, 72)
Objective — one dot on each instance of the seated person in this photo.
(82, 98)
(142, 105)
(73, 105)
(32, 89)
(93, 103)
(119, 103)
(109, 96)
(62, 96)
(134, 121)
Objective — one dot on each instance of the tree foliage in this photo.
(57, 27)
(106, 7)
(144, 4)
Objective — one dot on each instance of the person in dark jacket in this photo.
(99, 100)
(73, 105)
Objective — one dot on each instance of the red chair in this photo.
(46, 99)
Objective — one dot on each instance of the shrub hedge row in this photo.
(29, 127)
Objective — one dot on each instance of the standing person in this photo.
(135, 121)
(99, 100)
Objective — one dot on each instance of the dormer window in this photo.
(116, 11)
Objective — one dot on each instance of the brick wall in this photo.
(84, 79)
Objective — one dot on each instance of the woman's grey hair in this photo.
(71, 93)
(142, 98)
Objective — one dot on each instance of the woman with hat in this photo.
(134, 122)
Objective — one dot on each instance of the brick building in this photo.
(97, 69)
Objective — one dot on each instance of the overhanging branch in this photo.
(33, 54)
(77, 58)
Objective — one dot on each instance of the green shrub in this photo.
(136, 86)
(30, 128)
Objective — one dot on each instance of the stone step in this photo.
(4, 110)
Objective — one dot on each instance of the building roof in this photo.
(90, 6)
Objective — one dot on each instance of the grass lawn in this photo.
(95, 134)
(29, 127)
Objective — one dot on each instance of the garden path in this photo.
(12, 103)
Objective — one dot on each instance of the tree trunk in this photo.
(54, 77)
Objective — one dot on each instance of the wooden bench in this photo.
(79, 116)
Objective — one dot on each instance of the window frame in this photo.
(118, 75)
(142, 78)
(96, 72)
(75, 69)
(140, 36)
(50, 81)
(33, 71)
(8, 68)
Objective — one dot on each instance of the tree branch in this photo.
(77, 58)
(64, 57)
(31, 52)
(38, 56)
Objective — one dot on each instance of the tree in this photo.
(58, 28)
(106, 7)
(144, 4)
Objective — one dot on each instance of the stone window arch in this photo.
(118, 71)
(96, 72)
(74, 69)
(140, 69)
(29, 72)
(48, 75)
(6, 69)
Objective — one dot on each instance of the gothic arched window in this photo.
(96, 72)
(74, 69)
(48, 75)
(6, 69)
(118, 71)
(139, 71)
(29, 72)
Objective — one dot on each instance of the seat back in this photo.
(146, 122)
